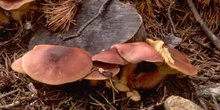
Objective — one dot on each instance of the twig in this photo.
(169, 16)
(100, 12)
(215, 101)
(113, 94)
(203, 104)
(205, 28)
(99, 103)
(107, 100)
(160, 102)
(196, 93)
(9, 93)
(63, 102)
(17, 103)
(213, 50)
(164, 95)
(107, 74)
(111, 82)
(13, 39)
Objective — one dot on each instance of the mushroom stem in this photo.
(93, 83)
(148, 80)
(133, 95)
(18, 13)
(3, 19)
(127, 73)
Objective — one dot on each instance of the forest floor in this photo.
(161, 19)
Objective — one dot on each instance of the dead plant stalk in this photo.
(203, 25)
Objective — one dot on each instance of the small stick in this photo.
(205, 28)
(63, 102)
(100, 12)
(108, 74)
(196, 93)
(169, 16)
(99, 103)
(215, 101)
(107, 100)
(213, 50)
(17, 103)
(9, 93)
(164, 95)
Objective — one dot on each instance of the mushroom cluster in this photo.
(131, 66)
(144, 65)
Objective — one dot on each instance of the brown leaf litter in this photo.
(20, 92)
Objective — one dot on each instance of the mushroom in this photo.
(147, 80)
(111, 56)
(128, 55)
(156, 59)
(3, 19)
(16, 7)
(135, 53)
(105, 66)
(174, 63)
(54, 65)
(133, 95)
(106, 61)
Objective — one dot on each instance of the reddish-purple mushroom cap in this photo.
(111, 56)
(137, 52)
(17, 65)
(54, 65)
(174, 63)
(181, 63)
(13, 4)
